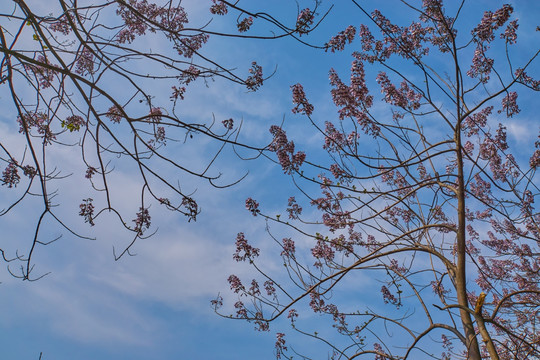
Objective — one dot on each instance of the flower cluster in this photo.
(140, 16)
(86, 210)
(62, 24)
(73, 123)
(38, 120)
(300, 100)
(252, 206)
(236, 284)
(191, 208)
(304, 21)
(178, 93)
(290, 162)
(85, 62)
(217, 302)
(155, 115)
(293, 209)
(288, 247)
(510, 33)
(228, 123)
(188, 46)
(404, 97)
(269, 288)
(280, 345)
(115, 114)
(188, 75)
(509, 104)
(29, 170)
(160, 135)
(218, 8)
(534, 161)
(481, 65)
(245, 24)
(244, 250)
(526, 80)
(10, 175)
(44, 72)
(255, 80)
(491, 22)
(142, 221)
(322, 251)
(473, 123)
(90, 171)
(339, 41)
(354, 100)
(481, 189)
(489, 150)
(388, 297)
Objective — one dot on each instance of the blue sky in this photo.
(157, 304)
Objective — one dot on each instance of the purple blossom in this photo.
(142, 221)
(338, 42)
(404, 97)
(87, 211)
(491, 22)
(270, 288)
(218, 8)
(300, 100)
(189, 75)
(252, 206)
(37, 120)
(254, 288)
(245, 24)
(241, 311)
(473, 123)
(280, 345)
(284, 149)
(189, 45)
(293, 209)
(29, 170)
(217, 302)
(191, 208)
(288, 247)
(525, 79)
(155, 114)
(293, 314)
(10, 175)
(228, 123)
(509, 104)
(255, 80)
(90, 171)
(534, 161)
(244, 250)
(84, 63)
(160, 135)
(145, 15)
(510, 33)
(178, 93)
(115, 114)
(73, 123)
(388, 297)
(43, 72)
(236, 284)
(322, 251)
(481, 65)
(62, 25)
(304, 21)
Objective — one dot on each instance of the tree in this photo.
(77, 75)
(422, 196)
